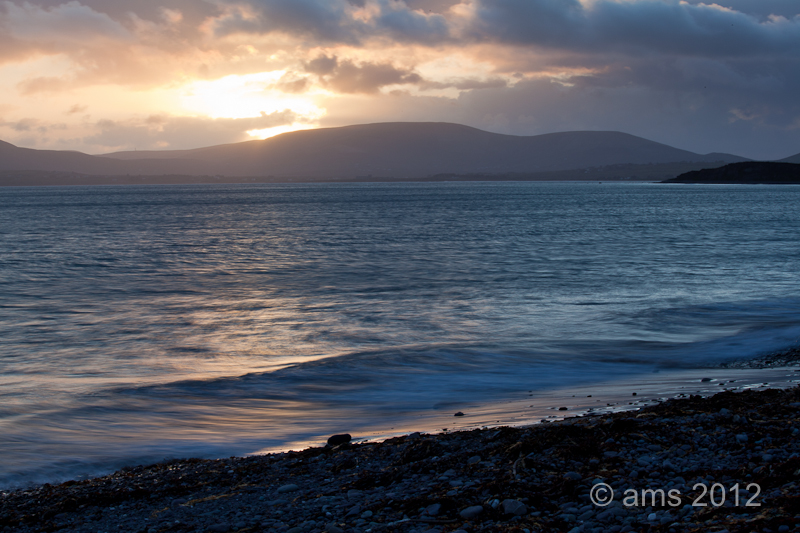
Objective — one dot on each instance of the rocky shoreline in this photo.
(725, 451)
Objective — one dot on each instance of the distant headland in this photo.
(752, 172)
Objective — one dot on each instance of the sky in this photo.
(105, 75)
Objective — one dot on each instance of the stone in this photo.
(297, 529)
(333, 528)
(471, 512)
(366, 514)
(338, 440)
(741, 438)
(433, 510)
(219, 528)
(288, 488)
(459, 414)
(354, 511)
(573, 476)
(515, 507)
(474, 460)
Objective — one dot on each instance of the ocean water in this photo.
(142, 323)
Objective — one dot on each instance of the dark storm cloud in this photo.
(333, 21)
(177, 27)
(402, 24)
(759, 8)
(647, 26)
(322, 20)
(349, 77)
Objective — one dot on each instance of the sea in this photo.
(144, 323)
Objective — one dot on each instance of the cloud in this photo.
(42, 84)
(465, 84)
(26, 125)
(641, 27)
(322, 20)
(67, 23)
(761, 9)
(171, 132)
(332, 21)
(396, 21)
(77, 108)
(348, 77)
(105, 42)
(291, 83)
(322, 65)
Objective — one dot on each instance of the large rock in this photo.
(337, 440)
(471, 512)
(514, 507)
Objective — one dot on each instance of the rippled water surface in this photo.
(138, 323)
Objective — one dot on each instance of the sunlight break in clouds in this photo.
(248, 96)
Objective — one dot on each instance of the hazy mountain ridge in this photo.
(389, 150)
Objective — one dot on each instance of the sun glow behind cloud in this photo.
(250, 95)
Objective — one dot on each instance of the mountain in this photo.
(13, 158)
(410, 150)
(747, 172)
(389, 150)
(793, 159)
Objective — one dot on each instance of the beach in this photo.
(723, 462)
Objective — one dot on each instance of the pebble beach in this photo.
(727, 462)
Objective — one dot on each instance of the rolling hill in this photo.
(793, 159)
(388, 150)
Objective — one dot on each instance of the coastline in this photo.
(547, 470)
(629, 393)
